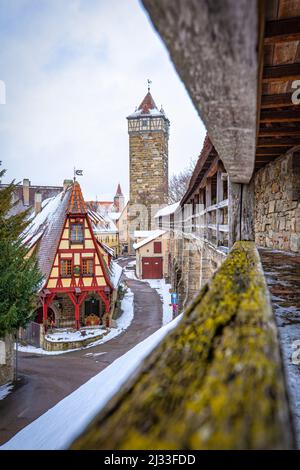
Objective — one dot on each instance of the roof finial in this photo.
(149, 83)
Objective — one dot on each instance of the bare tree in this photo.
(179, 182)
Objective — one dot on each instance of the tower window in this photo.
(144, 122)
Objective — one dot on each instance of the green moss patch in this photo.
(215, 382)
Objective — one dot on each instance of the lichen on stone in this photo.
(215, 382)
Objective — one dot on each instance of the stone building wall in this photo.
(7, 359)
(193, 265)
(277, 204)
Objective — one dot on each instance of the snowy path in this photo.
(45, 380)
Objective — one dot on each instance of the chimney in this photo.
(67, 183)
(26, 185)
(37, 203)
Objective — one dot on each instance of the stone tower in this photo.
(148, 130)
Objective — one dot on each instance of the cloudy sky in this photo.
(74, 69)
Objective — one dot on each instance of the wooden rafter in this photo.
(281, 115)
(281, 73)
(276, 101)
(283, 30)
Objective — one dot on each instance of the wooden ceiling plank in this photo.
(283, 30)
(281, 73)
(276, 101)
(279, 131)
(278, 141)
(280, 115)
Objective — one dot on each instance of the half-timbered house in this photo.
(76, 268)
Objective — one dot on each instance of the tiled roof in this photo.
(45, 230)
(76, 202)
(147, 104)
(45, 191)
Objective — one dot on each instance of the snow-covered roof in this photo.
(45, 228)
(142, 233)
(168, 210)
(115, 273)
(101, 221)
(114, 215)
(155, 234)
(147, 108)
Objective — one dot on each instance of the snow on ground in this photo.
(59, 426)
(5, 390)
(123, 323)
(65, 336)
(163, 290)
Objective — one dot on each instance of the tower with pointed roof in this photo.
(119, 199)
(148, 129)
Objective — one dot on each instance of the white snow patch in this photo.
(5, 390)
(67, 336)
(123, 323)
(168, 210)
(155, 234)
(59, 426)
(163, 290)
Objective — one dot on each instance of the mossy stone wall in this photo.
(215, 382)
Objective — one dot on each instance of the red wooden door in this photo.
(152, 268)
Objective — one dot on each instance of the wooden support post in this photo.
(240, 212)
(207, 204)
(219, 214)
(45, 313)
(77, 316)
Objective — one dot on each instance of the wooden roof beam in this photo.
(279, 131)
(278, 141)
(264, 151)
(284, 30)
(281, 73)
(276, 101)
(281, 115)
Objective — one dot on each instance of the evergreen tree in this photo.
(19, 274)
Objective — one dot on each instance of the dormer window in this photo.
(76, 233)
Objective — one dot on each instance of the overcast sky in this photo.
(74, 69)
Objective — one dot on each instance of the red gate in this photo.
(152, 268)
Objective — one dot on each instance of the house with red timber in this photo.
(78, 271)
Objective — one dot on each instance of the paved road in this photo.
(45, 380)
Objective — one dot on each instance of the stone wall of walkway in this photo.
(277, 201)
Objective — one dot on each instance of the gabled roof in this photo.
(155, 234)
(76, 203)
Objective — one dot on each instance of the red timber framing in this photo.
(77, 285)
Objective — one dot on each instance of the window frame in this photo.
(89, 259)
(62, 260)
(155, 250)
(72, 224)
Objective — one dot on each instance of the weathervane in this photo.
(149, 83)
(77, 173)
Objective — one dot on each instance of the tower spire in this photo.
(149, 83)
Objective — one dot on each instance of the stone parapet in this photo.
(215, 382)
